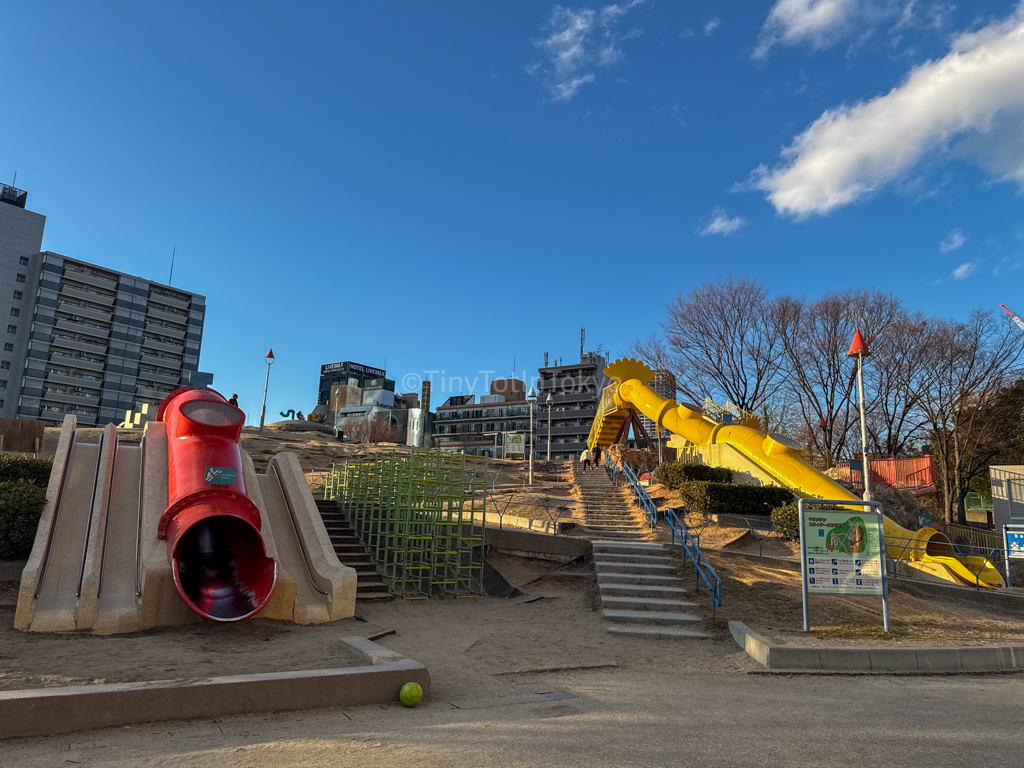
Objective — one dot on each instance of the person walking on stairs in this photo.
(585, 459)
(597, 456)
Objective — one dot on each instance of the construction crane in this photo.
(1017, 320)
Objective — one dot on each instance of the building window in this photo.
(23, 261)
(3, 383)
(19, 278)
(12, 329)
(8, 346)
(15, 312)
(18, 295)
(5, 365)
(1, 403)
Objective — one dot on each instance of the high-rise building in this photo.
(664, 383)
(81, 338)
(346, 374)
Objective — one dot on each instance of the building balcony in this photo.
(160, 377)
(162, 346)
(78, 344)
(85, 328)
(165, 330)
(86, 295)
(167, 315)
(74, 398)
(171, 301)
(67, 359)
(155, 394)
(91, 313)
(160, 359)
(53, 377)
(75, 272)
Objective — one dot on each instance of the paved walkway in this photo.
(641, 593)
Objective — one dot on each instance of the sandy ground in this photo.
(462, 641)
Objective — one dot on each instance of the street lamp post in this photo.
(266, 386)
(859, 348)
(549, 400)
(531, 398)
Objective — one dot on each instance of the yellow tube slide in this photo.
(926, 550)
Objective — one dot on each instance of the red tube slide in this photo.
(212, 527)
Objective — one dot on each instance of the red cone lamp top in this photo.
(859, 346)
(270, 354)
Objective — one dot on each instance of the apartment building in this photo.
(575, 390)
(480, 428)
(84, 339)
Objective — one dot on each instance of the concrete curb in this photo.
(793, 658)
(46, 711)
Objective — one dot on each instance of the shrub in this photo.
(15, 467)
(787, 521)
(674, 474)
(20, 506)
(725, 499)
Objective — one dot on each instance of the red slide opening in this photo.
(218, 557)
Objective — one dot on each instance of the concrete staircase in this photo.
(369, 584)
(641, 595)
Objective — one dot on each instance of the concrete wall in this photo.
(745, 472)
(1007, 495)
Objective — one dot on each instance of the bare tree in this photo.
(969, 363)
(820, 378)
(720, 342)
(378, 429)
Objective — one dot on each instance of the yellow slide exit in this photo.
(926, 550)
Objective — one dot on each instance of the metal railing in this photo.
(702, 569)
(980, 537)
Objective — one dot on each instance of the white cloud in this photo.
(686, 33)
(713, 23)
(1007, 264)
(578, 42)
(822, 23)
(973, 96)
(964, 270)
(721, 224)
(952, 241)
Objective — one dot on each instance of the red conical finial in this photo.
(270, 354)
(859, 346)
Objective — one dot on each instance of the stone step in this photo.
(619, 589)
(635, 569)
(644, 603)
(646, 579)
(639, 548)
(620, 557)
(662, 618)
(658, 633)
(381, 594)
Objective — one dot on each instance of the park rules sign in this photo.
(842, 552)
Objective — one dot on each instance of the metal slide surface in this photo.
(778, 456)
(58, 588)
(117, 598)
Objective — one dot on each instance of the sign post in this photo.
(1013, 546)
(842, 552)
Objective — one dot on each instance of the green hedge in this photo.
(673, 475)
(725, 499)
(787, 521)
(16, 467)
(20, 506)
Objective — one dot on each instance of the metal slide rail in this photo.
(702, 569)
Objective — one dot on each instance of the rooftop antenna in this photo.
(583, 336)
(173, 249)
(13, 183)
(513, 366)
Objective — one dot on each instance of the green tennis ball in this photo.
(411, 694)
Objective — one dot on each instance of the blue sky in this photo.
(461, 186)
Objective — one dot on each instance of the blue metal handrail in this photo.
(702, 569)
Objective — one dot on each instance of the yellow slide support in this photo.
(926, 550)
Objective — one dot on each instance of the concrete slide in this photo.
(98, 564)
(776, 459)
